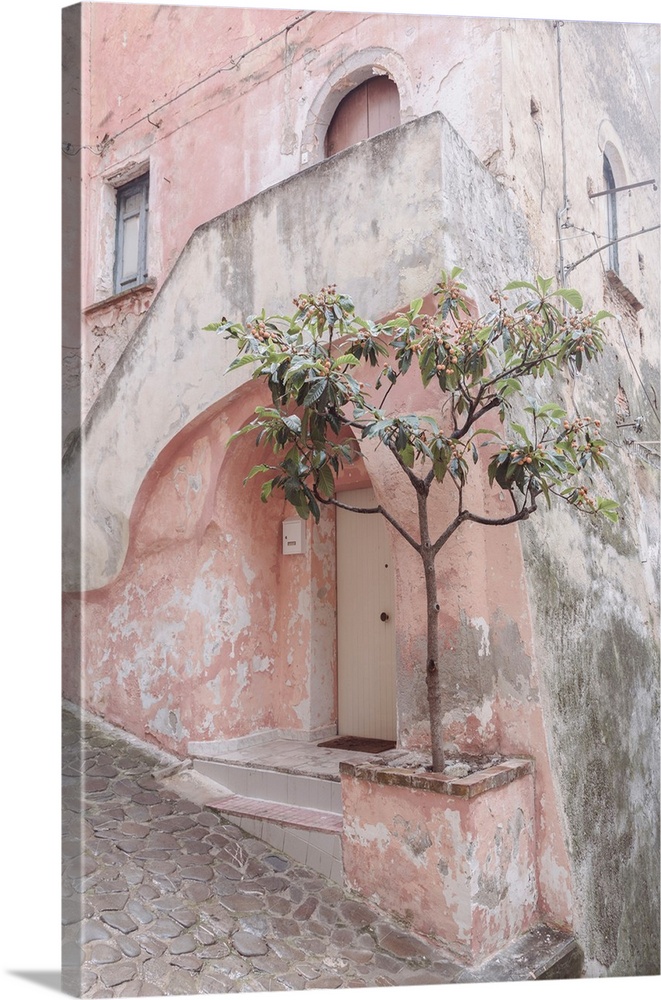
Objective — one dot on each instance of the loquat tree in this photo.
(471, 366)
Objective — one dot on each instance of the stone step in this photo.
(543, 953)
(310, 836)
(279, 812)
(287, 788)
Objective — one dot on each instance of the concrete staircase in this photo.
(297, 814)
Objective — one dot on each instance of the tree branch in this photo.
(331, 501)
(417, 483)
(475, 416)
(522, 514)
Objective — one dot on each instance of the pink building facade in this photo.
(206, 191)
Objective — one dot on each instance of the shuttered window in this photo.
(131, 238)
(371, 108)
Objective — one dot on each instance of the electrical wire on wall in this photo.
(234, 63)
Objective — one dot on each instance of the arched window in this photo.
(371, 108)
(611, 216)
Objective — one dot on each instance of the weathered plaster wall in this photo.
(594, 589)
(383, 257)
(491, 684)
(551, 649)
(561, 111)
(209, 632)
(458, 869)
(399, 219)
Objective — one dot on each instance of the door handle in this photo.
(384, 616)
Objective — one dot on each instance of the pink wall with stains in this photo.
(209, 632)
(456, 868)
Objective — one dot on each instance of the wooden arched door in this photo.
(371, 108)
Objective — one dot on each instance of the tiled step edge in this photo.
(277, 812)
(543, 953)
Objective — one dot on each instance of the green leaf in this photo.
(609, 508)
(243, 430)
(312, 504)
(571, 296)
(506, 386)
(315, 391)
(246, 359)
(371, 430)
(293, 422)
(551, 410)
(293, 491)
(519, 284)
(520, 429)
(266, 490)
(325, 481)
(256, 469)
(545, 491)
(407, 455)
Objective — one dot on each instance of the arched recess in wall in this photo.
(354, 72)
(208, 553)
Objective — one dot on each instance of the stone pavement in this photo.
(162, 896)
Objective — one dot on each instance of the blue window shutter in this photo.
(131, 234)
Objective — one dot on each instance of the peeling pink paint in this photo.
(209, 632)
(461, 870)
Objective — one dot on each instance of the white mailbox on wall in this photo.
(293, 536)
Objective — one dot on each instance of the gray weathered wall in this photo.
(594, 588)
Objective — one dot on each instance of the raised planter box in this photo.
(454, 857)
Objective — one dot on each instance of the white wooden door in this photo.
(365, 622)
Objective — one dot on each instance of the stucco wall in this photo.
(401, 218)
(459, 869)
(209, 632)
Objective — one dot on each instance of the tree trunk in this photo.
(434, 696)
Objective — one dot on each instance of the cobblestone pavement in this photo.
(162, 896)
